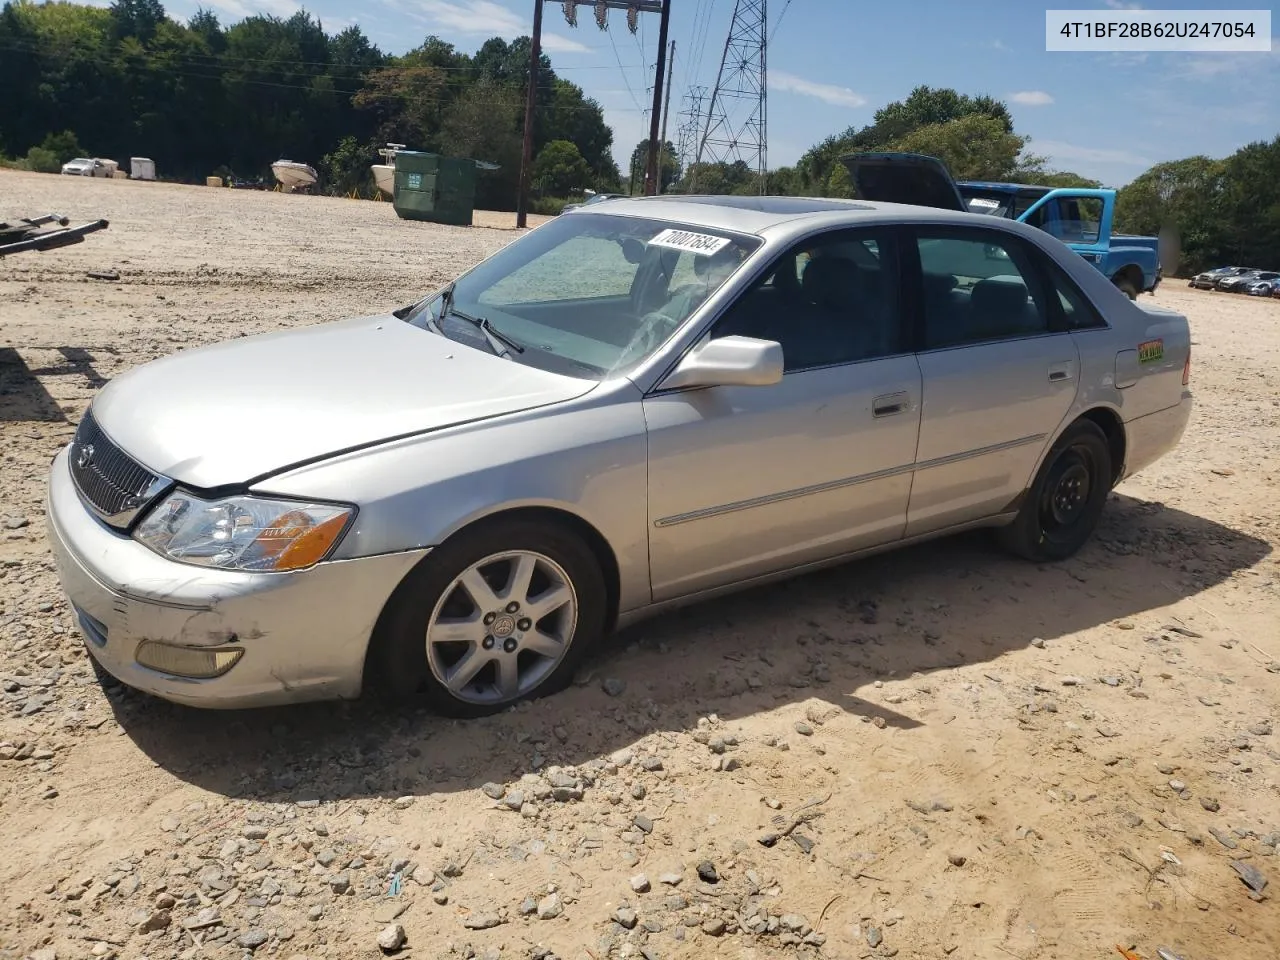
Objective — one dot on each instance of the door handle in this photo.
(890, 404)
(1060, 372)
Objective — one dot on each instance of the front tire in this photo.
(503, 613)
(1063, 505)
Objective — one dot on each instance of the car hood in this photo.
(241, 410)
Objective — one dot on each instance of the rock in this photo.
(156, 920)
(326, 857)
(1261, 729)
(528, 907)
(670, 879)
(254, 831)
(550, 907)
(707, 872)
(1131, 819)
(874, 937)
(1223, 838)
(613, 686)
(390, 911)
(1177, 786)
(640, 883)
(252, 939)
(169, 824)
(392, 938)
(340, 883)
(956, 859)
(404, 803)
(514, 799)
(793, 923)
(484, 920)
(1210, 804)
(626, 918)
(1250, 874)
(1168, 769)
(714, 927)
(1066, 682)
(643, 823)
(315, 913)
(803, 729)
(439, 898)
(638, 791)
(651, 764)
(494, 791)
(166, 901)
(208, 917)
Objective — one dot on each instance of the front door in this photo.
(998, 381)
(745, 481)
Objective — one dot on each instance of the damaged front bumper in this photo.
(215, 638)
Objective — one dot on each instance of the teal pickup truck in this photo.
(1079, 217)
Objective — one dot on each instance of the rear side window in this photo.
(1077, 310)
(977, 287)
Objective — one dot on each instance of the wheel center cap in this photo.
(503, 627)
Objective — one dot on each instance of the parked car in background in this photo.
(591, 199)
(1081, 218)
(1264, 286)
(89, 167)
(1241, 282)
(637, 405)
(1209, 279)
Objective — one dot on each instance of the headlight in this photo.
(244, 533)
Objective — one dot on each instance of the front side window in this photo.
(977, 286)
(587, 294)
(832, 299)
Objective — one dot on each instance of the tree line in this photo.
(201, 98)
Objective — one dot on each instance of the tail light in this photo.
(1186, 369)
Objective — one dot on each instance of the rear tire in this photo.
(501, 614)
(1063, 504)
(1126, 286)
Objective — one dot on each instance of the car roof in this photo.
(758, 215)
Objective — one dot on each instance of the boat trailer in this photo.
(24, 235)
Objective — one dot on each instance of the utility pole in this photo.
(655, 118)
(526, 158)
(666, 109)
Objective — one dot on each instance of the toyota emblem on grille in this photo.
(84, 456)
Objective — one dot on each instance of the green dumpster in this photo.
(435, 188)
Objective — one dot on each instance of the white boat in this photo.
(294, 175)
(384, 174)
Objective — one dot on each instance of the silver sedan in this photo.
(637, 405)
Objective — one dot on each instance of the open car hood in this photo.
(903, 178)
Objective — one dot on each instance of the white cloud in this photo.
(1031, 98)
(554, 43)
(1060, 150)
(1122, 5)
(826, 92)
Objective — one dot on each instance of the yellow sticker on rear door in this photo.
(1151, 351)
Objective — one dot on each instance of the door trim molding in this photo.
(708, 512)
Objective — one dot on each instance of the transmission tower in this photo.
(690, 126)
(737, 118)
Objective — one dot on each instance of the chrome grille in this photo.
(110, 481)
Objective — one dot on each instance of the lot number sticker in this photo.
(702, 244)
(1151, 351)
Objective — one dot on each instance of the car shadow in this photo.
(821, 637)
(23, 395)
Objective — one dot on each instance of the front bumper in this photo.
(304, 634)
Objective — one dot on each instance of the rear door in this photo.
(997, 380)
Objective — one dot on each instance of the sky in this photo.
(833, 63)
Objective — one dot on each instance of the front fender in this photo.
(587, 458)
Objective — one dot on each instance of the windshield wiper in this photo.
(499, 342)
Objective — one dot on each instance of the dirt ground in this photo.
(1001, 760)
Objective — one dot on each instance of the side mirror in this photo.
(729, 362)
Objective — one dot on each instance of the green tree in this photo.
(839, 184)
(42, 160)
(347, 167)
(560, 170)
(974, 147)
(1183, 196)
(483, 124)
(668, 166)
(63, 147)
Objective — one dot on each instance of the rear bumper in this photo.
(304, 635)
(1150, 437)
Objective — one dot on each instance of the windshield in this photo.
(588, 294)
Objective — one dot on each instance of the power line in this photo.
(778, 23)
